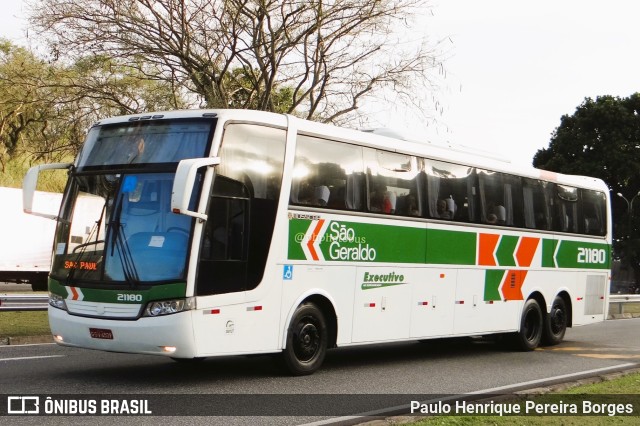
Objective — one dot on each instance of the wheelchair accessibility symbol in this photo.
(287, 274)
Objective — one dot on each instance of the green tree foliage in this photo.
(602, 139)
(46, 107)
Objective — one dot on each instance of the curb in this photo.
(557, 388)
(26, 340)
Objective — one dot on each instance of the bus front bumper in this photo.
(170, 335)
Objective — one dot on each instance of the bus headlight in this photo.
(168, 307)
(57, 301)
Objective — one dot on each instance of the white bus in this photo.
(220, 232)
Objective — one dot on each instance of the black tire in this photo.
(40, 284)
(555, 324)
(531, 326)
(307, 339)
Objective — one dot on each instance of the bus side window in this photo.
(451, 191)
(242, 210)
(500, 198)
(566, 209)
(537, 201)
(326, 174)
(391, 179)
(593, 212)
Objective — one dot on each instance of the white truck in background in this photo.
(26, 240)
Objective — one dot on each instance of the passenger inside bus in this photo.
(443, 209)
(381, 200)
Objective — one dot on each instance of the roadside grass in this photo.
(24, 323)
(619, 390)
(16, 168)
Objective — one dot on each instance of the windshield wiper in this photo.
(118, 238)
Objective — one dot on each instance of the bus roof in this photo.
(373, 139)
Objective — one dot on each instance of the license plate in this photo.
(101, 333)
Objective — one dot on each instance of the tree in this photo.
(602, 139)
(319, 59)
(46, 108)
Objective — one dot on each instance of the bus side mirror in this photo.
(29, 187)
(183, 184)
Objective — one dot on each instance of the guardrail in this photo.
(24, 302)
(621, 299)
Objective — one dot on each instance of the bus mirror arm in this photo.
(183, 184)
(29, 187)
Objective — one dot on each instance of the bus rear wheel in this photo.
(555, 324)
(307, 339)
(531, 326)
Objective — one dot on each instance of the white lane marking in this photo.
(454, 397)
(26, 344)
(22, 358)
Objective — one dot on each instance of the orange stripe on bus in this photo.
(486, 247)
(526, 250)
(312, 240)
(512, 285)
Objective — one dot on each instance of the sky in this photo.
(513, 68)
(516, 67)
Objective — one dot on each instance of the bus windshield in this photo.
(116, 224)
(119, 228)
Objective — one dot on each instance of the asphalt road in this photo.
(389, 372)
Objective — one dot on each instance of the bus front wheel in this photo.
(531, 326)
(307, 339)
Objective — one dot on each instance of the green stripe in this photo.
(109, 295)
(369, 242)
(451, 247)
(506, 249)
(548, 250)
(493, 278)
(573, 254)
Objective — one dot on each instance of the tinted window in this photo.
(167, 141)
(451, 191)
(500, 198)
(392, 184)
(566, 209)
(537, 203)
(594, 210)
(327, 174)
(242, 209)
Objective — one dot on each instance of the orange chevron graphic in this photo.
(511, 288)
(486, 248)
(526, 250)
(76, 296)
(312, 240)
